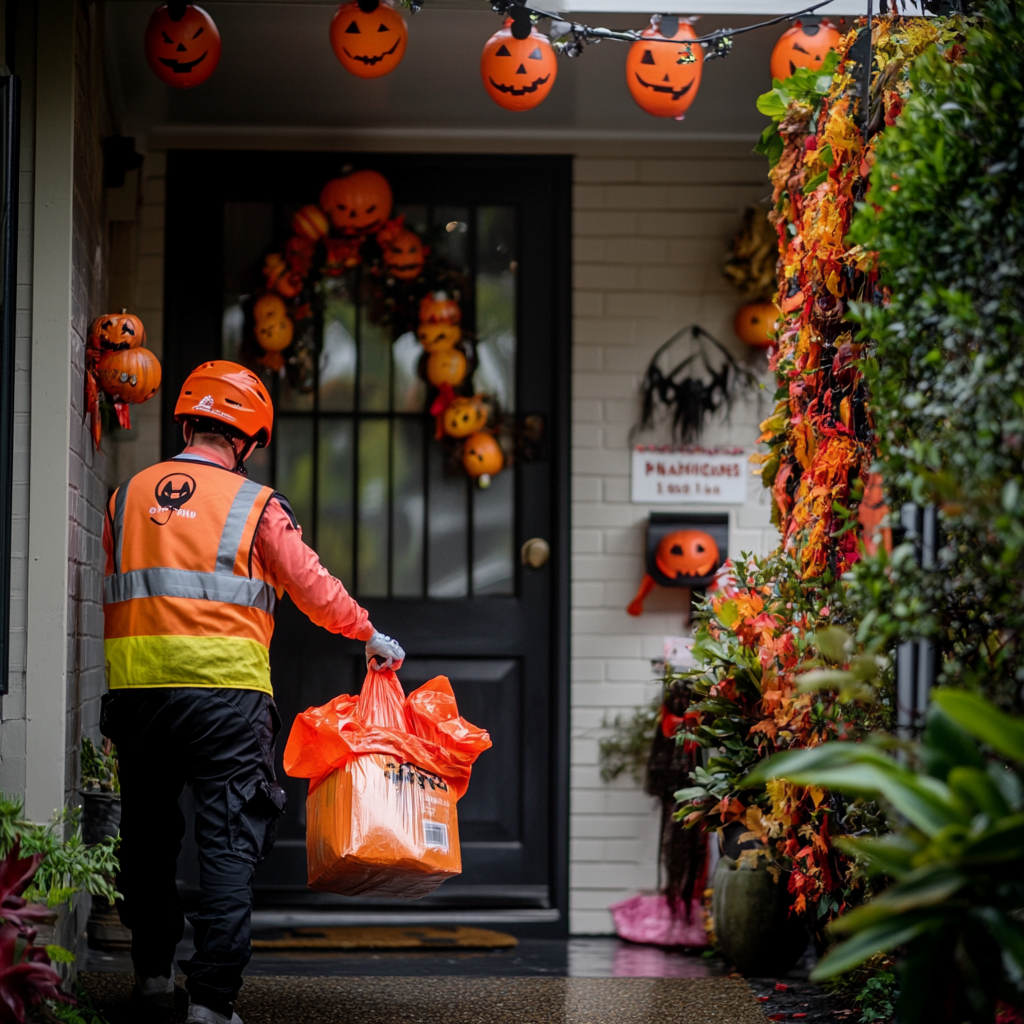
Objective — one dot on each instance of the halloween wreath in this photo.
(403, 287)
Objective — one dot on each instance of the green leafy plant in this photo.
(956, 805)
(629, 746)
(68, 865)
(99, 768)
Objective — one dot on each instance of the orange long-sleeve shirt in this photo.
(287, 564)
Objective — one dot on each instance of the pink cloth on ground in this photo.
(649, 919)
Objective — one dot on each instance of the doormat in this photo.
(383, 937)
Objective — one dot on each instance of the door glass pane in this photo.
(293, 437)
(417, 218)
(496, 303)
(334, 494)
(446, 515)
(451, 235)
(493, 536)
(407, 513)
(410, 389)
(338, 349)
(374, 364)
(373, 507)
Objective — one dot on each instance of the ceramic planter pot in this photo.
(101, 815)
(752, 922)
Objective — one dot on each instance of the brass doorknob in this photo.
(535, 552)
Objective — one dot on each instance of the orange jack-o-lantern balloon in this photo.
(404, 255)
(369, 38)
(755, 323)
(115, 332)
(439, 309)
(664, 78)
(482, 457)
(447, 366)
(518, 65)
(463, 417)
(357, 203)
(437, 337)
(130, 376)
(805, 45)
(182, 45)
(685, 553)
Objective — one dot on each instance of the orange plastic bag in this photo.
(385, 774)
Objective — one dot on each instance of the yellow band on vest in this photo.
(227, 661)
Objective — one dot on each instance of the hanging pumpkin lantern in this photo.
(130, 376)
(369, 38)
(755, 323)
(437, 337)
(358, 203)
(805, 45)
(482, 458)
(182, 45)
(447, 366)
(310, 222)
(115, 332)
(518, 65)
(662, 78)
(404, 255)
(439, 309)
(464, 416)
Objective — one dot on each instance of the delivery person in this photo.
(197, 557)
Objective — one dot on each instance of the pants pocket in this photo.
(254, 805)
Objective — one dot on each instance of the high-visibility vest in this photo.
(183, 606)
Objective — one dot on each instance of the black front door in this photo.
(434, 558)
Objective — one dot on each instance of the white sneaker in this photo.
(204, 1015)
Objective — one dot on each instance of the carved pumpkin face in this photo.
(274, 329)
(518, 66)
(182, 53)
(310, 222)
(358, 203)
(404, 255)
(446, 367)
(755, 323)
(437, 337)
(439, 309)
(115, 332)
(130, 376)
(369, 38)
(657, 80)
(464, 416)
(269, 307)
(482, 457)
(685, 553)
(805, 45)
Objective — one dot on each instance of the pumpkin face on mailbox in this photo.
(404, 255)
(115, 332)
(183, 52)
(437, 337)
(686, 553)
(662, 78)
(357, 203)
(369, 38)
(805, 45)
(518, 66)
(463, 417)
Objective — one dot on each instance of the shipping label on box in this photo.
(679, 476)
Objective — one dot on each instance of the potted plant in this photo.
(101, 792)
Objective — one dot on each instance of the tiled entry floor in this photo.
(470, 1000)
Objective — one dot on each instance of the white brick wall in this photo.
(650, 235)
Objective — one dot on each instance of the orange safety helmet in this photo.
(230, 394)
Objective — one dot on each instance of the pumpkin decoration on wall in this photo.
(369, 38)
(663, 79)
(402, 286)
(805, 45)
(116, 365)
(518, 64)
(182, 45)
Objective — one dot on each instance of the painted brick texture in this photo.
(650, 235)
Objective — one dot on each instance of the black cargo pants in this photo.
(221, 743)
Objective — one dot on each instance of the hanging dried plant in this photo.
(750, 267)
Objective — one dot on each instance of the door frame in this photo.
(192, 312)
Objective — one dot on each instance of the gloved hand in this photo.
(387, 652)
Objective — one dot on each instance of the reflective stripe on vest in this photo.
(179, 625)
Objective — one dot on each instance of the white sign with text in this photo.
(680, 476)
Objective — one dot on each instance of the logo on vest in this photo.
(172, 493)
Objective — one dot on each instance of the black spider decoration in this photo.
(691, 399)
